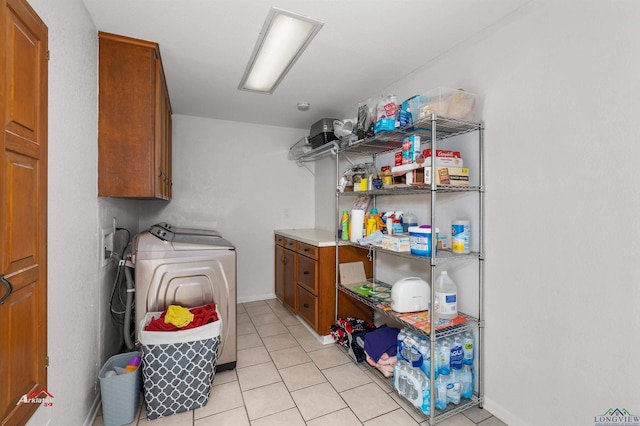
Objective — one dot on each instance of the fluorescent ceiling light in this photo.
(282, 40)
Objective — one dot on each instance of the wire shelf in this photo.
(439, 415)
(404, 189)
(470, 324)
(390, 140)
(442, 256)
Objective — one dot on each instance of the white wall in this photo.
(236, 178)
(326, 213)
(562, 95)
(80, 334)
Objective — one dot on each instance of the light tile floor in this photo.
(285, 376)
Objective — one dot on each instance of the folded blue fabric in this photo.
(380, 341)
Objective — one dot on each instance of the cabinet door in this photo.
(290, 280)
(162, 141)
(134, 120)
(279, 273)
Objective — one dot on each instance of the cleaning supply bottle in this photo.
(344, 225)
(460, 236)
(380, 225)
(133, 364)
(447, 295)
(408, 219)
(372, 222)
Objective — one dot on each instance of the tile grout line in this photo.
(322, 371)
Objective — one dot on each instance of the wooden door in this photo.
(23, 210)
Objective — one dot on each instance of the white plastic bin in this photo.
(120, 393)
(177, 367)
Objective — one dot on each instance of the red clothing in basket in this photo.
(201, 316)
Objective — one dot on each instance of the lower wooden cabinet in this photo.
(305, 281)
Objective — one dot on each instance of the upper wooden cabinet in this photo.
(134, 123)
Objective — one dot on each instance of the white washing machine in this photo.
(189, 269)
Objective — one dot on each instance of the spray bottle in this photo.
(372, 222)
(344, 222)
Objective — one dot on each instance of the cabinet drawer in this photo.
(279, 240)
(289, 243)
(308, 273)
(307, 250)
(308, 307)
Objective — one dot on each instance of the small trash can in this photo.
(120, 392)
(177, 367)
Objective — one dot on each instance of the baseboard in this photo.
(502, 413)
(256, 298)
(325, 340)
(93, 412)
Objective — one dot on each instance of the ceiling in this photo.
(364, 47)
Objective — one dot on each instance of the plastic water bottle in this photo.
(425, 351)
(447, 295)
(454, 387)
(400, 379)
(399, 342)
(417, 382)
(444, 354)
(466, 380)
(468, 348)
(426, 397)
(457, 355)
(440, 398)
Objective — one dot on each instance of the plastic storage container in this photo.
(321, 132)
(447, 102)
(460, 236)
(121, 392)
(409, 220)
(420, 240)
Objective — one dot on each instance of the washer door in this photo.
(192, 282)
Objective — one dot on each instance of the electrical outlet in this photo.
(106, 246)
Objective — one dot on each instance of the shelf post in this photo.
(480, 351)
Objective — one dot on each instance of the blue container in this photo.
(420, 240)
(120, 393)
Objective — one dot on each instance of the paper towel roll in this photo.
(356, 224)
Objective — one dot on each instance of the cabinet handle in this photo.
(284, 260)
(306, 273)
(306, 249)
(9, 287)
(306, 305)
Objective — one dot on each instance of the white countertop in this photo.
(315, 237)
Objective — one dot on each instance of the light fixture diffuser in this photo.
(282, 40)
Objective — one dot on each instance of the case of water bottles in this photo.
(453, 369)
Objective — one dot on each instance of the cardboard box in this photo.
(454, 176)
(441, 153)
(398, 242)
